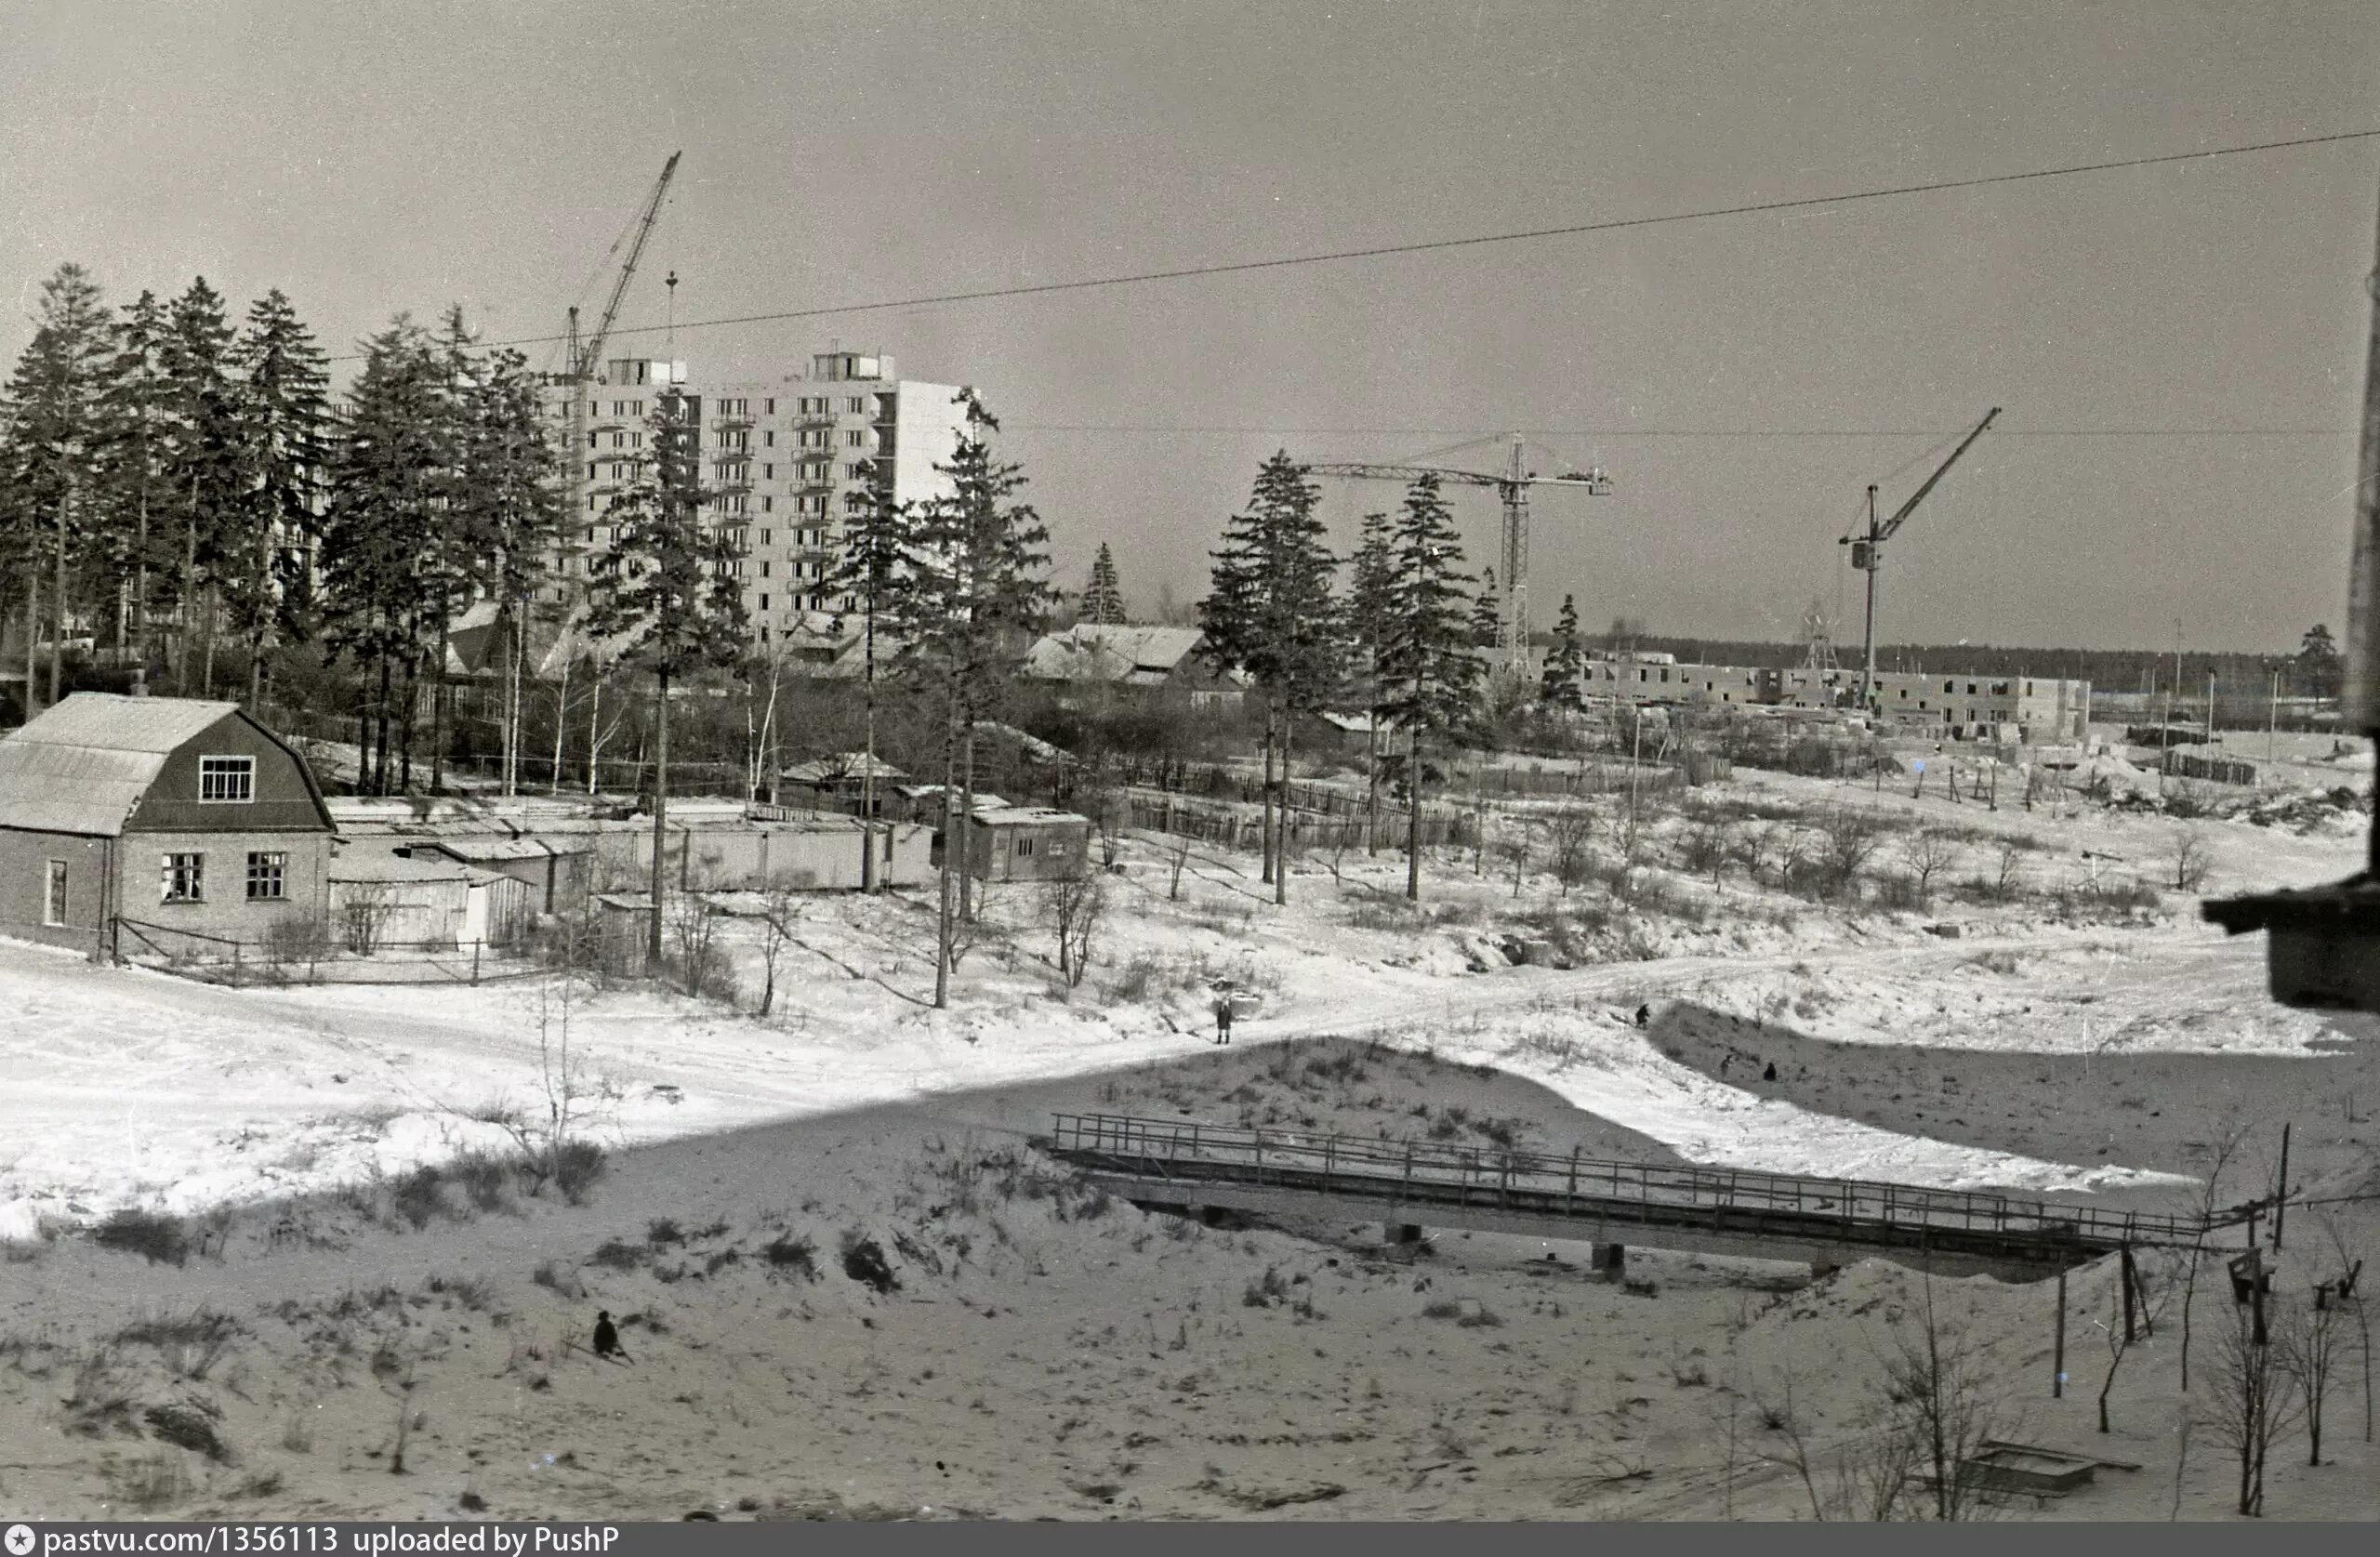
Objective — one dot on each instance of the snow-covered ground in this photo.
(131, 1087)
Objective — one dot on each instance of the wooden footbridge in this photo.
(1192, 1167)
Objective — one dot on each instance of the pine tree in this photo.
(1563, 683)
(1432, 674)
(268, 562)
(965, 604)
(56, 434)
(667, 588)
(1370, 598)
(385, 519)
(1487, 616)
(205, 466)
(1102, 600)
(1269, 613)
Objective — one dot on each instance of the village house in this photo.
(157, 822)
(1143, 660)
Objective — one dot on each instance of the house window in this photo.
(855, 438)
(267, 874)
(53, 908)
(857, 404)
(227, 779)
(184, 879)
(1023, 846)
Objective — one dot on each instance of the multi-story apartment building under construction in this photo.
(787, 463)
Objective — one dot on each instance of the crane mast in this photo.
(1867, 551)
(585, 357)
(1512, 486)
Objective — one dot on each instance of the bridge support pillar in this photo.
(1610, 1262)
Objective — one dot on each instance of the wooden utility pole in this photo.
(2280, 1191)
(2360, 705)
(2058, 1379)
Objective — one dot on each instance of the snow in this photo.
(128, 1087)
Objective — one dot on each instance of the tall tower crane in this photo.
(584, 359)
(1512, 485)
(1868, 555)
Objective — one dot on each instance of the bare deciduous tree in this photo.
(1568, 831)
(1073, 907)
(2251, 1402)
(1851, 838)
(1936, 1380)
(2309, 1342)
(1927, 853)
(779, 913)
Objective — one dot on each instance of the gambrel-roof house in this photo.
(141, 823)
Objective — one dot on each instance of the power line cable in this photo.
(1616, 224)
(1930, 433)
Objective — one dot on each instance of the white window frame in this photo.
(53, 894)
(246, 766)
(168, 870)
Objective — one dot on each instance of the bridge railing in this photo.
(1165, 1146)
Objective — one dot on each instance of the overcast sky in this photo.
(369, 158)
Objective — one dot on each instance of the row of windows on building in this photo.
(741, 405)
(181, 878)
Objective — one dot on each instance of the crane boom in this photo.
(584, 359)
(1900, 515)
(1512, 485)
(1868, 550)
(593, 354)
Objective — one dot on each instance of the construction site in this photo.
(612, 912)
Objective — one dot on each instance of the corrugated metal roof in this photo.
(106, 721)
(378, 865)
(82, 766)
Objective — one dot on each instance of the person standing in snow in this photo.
(1223, 1019)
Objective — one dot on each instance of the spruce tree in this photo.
(384, 522)
(1269, 613)
(510, 512)
(267, 571)
(1432, 676)
(964, 606)
(1563, 685)
(876, 544)
(1103, 599)
(55, 432)
(206, 466)
(133, 473)
(1486, 616)
(667, 591)
(1370, 597)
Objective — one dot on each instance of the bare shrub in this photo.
(365, 908)
(695, 958)
(862, 1260)
(483, 1176)
(2192, 860)
(796, 1256)
(157, 1238)
(1927, 852)
(1570, 830)
(576, 1166)
(418, 1196)
(1849, 840)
